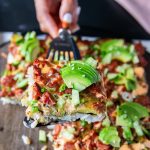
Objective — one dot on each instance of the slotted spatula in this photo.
(63, 47)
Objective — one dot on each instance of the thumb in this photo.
(67, 9)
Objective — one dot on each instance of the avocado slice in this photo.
(32, 53)
(79, 75)
(110, 44)
(88, 68)
(122, 56)
(30, 48)
(75, 80)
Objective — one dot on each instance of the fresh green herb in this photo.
(109, 135)
(35, 109)
(62, 87)
(83, 123)
(33, 102)
(34, 106)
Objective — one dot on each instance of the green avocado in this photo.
(30, 48)
(87, 67)
(110, 44)
(79, 75)
(76, 80)
(122, 56)
(32, 53)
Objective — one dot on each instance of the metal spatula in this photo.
(63, 47)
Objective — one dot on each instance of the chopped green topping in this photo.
(62, 88)
(23, 83)
(35, 109)
(19, 76)
(43, 90)
(109, 135)
(42, 136)
(33, 102)
(34, 106)
(125, 75)
(60, 102)
(75, 97)
(83, 123)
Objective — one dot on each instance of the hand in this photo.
(51, 13)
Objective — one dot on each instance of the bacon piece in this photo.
(139, 48)
(46, 98)
(36, 91)
(10, 67)
(56, 130)
(143, 100)
(101, 146)
(112, 67)
(17, 92)
(8, 81)
(2, 93)
(69, 146)
(13, 48)
(143, 61)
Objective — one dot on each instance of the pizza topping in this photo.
(79, 75)
(116, 50)
(36, 93)
(109, 135)
(8, 81)
(46, 98)
(124, 76)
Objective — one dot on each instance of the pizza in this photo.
(21, 53)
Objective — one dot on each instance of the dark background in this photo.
(103, 18)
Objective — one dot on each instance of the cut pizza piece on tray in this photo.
(21, 53)
(64, 91)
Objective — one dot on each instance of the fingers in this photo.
(45, 19)
(69, 7)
